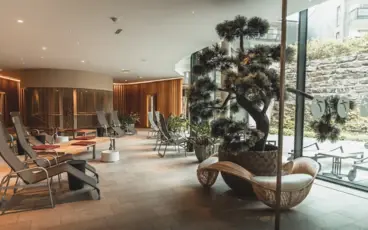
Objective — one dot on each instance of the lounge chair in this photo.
(32, 176)
(154, 129)
(116, 123)
(169, 139)
(34, 156)
(296, 182)
(361, 164)
(101, 117)
(30, 135)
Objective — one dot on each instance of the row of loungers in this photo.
(37, 167)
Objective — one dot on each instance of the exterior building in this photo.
(340, 19)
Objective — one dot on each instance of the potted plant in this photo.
(130, 120)
(250, 83)
(177, 124)
(202, 140)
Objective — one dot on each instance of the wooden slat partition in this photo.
(133, 98)
(11, 88)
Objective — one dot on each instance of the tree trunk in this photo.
(242, 43)
(261, 119)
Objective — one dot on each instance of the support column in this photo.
(193, 78)
(300, 82)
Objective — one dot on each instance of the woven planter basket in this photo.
(260, 163)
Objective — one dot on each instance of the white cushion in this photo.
(289, 183)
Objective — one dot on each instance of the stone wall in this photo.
(345, 76)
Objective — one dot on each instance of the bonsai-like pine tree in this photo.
(249, 83)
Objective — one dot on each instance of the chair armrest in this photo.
(315, 144)
(338, 148)
(34, 160)
(361, 160)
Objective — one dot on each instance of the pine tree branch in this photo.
(301, 93)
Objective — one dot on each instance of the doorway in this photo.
(151, 106)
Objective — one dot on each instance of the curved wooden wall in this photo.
(133, 98)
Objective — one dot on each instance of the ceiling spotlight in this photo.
(83, 61)
(114, 19)
(44, 48)
(125, 70)
(118, 31)
(20, 21)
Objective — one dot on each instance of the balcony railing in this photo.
(359, 13)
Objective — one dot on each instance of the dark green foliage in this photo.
(248, 79)
(327, 127)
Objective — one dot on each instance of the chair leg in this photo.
(3, 205)
(156, 143)
(165, 149)
(50, 193)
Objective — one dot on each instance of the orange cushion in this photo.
(84, 143)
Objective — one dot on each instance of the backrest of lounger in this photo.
(101, 117)
(6, 132)
(22, 140)
(164, 128)
(17, 114)
(115, 118)
(152, 123)
(14, 163)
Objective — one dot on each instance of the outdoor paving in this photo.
(143, 191)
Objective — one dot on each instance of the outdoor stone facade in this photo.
(345, 76)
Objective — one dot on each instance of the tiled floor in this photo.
(145, 192)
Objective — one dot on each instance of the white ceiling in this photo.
(161, 32)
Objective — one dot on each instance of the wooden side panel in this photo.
(133, 98)
(12, 90)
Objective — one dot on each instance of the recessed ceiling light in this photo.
(125, 70)
(44, 48)
(83, 61)
(42, 57)
(193, 12)
(20, 21)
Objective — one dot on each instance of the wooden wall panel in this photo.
(11, 89)
(133, 98)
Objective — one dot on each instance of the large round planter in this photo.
(203, 152)
(260, 163)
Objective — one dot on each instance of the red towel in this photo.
(83, 138)
(84, 143)
(45, 147)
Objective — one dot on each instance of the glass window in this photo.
(338, 12)
(334, 68)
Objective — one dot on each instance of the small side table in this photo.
(110, 156)
(75, 183)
